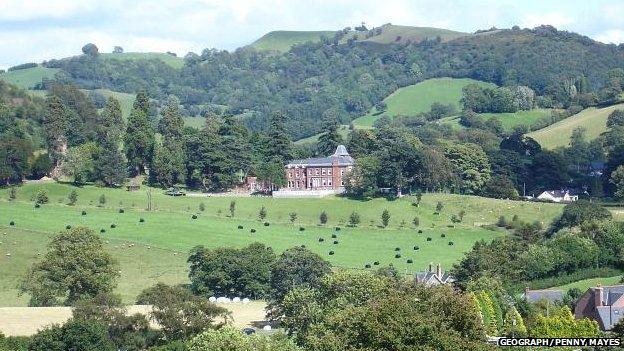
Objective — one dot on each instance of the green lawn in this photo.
(514, 119)
(594, 120)
(283, 40)
(585, 284)
(418, 98)
(170, 229)
(27, 78)
(173, 61)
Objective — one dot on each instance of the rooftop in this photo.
(340, 157)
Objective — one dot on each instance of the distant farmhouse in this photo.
(318, 176)
(437, 277)
(602, 304)
(564, 195)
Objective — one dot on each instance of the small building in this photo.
(549, 295)
(564, 195)
(133, 185)
(605, 305)
(317, 176)
(431, 277)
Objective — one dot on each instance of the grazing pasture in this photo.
(283, 40)
(27, 78)
(153, 246)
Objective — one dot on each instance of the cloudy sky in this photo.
(35, 30)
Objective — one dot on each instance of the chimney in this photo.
(439, 270)
(430, 266)
(598, 295)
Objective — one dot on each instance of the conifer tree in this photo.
(169, 159)
(55, 127)
(280, 145)
(139, 138)
(330, 139)
(109, 162)
(514, 324)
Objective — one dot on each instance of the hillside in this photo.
(417, 98)
(402, 34)
(29, 77)
(283, 40)
(593, 119)
(173, 61)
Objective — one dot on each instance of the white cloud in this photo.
(19, 10)
(612, 36)
(554, 19)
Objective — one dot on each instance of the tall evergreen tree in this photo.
(55, 126)
(330, 139)
(109, 162)
(169, 158)
(139, 138)
(280, 144)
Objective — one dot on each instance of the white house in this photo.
(558, 196)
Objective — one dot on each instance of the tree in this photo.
(55, 125)
(362, 180)
(296, 267)
(72, 197)
(169, 159)
(563, 325)
(14, 155)
(118, 50)
(293, 217)
(385, 218)
(416, 221)
(41, 197)
(580, 212)
(108, 160)
(330, 138)
(470, 164)
(232, 208)
(231, 339)
(241, 272)
(323, 217)
(75, 266)
(79, 163)
(616, 118)
(500, 187)
(182, 315)
(139, 138)
(549, 171)
(90, 49)
(73, 335)
(354, 219)
(439, 207)
(262, 213)
(279, 144)
(617, 179)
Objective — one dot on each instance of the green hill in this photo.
(173, 61)
(27, 78)
(401, 34)
(594, 120)
(418, 98)
(283, 40)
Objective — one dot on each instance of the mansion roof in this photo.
(341, 158)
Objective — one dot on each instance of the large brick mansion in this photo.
(320, 173)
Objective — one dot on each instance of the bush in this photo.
(194, 216)
(72, 198)
(416, 247)
(451, 243)
(331, 253)
(12, 223)
(335, 242)
(202, 207)
(301, 229)
(102, 230)
(303, 246)
(262, 213)
(252, 230)
(141, 220)
(429, 239)
(84, 213)
(334, 236)
(102, 200)
(439, 207)
(420, 231)
(121, 210)
(367, 266)
(323, 217)
(68, 226)
(240, 227)
(443, 236)
(397, 256)
(354, 219)
(416, 221)
(502, 222)
(266, 224)
(321, 240)
(42, 197)
(397, 249)
(113, 226)
(410, 261)
(337, 229)
(12, 193)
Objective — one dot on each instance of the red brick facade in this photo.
(326, 173)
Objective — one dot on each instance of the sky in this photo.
(37, 30)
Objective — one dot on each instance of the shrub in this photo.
(141, 220)
(84, 213)
(385, 218)
(72, 198)
(202, 207)
(429, 239)
(266, 224)
(331, 252)
(102, 200)
(367, 266)
(323, 217)
(12, 193)
(337, 229)
(419, 231)
(334, 236)
(68, 226)
(12, 223)
(397, 249)
(451, 243)
(439, 207)
(301, 229)
(252, 230)
(262, 213)
(354, 219)
(240, 227)
(416, 247)
(321, 240)
(42, 197)
(335, 242)
(121, 210)
(293, 217)
(416, 221)
(194, 216)
(410, 261)
(37, 205)
(303, 246)
(232, 208)
(502, 222)
(443, 236)
(102, 230)
(397, 256)
(113, 225)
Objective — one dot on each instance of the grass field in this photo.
(27, 78)
(167, 233)
(514, 119)
(126, 100)
(401, 34)
(594, 120)
(173, 61)
(342, 130)
(585, 284)
(283, 40)
(418, 98)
